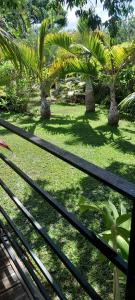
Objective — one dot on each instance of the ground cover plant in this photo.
(91, 138)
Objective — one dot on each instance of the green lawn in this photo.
(91, 138)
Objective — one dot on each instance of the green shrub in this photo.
(17, 95)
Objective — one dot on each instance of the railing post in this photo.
(130, 287)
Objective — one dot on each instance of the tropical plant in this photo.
(39, 60)
(115, 58)
(10, 49)
(127, 105)
(82, 58)
(18, 93)
(117, 233)
(93, 55)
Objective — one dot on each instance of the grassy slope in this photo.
(90, 138)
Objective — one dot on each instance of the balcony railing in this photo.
(108, 179)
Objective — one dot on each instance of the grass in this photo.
(91, 138)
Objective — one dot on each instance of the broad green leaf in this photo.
(85, 207)
(122, 218)
(123, 209)
(106, 232)
(107, 216)
(123, 233)
(106, 235)
(114, 210)
(123, 246)
(126, 225)
(110, 243)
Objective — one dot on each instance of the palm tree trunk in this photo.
(45, 105)
(113, 116)
(89, 97)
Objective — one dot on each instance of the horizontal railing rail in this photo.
(108, 178)
(89, 235)
(115, 182)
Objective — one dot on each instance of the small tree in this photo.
(39, 60)
(84, 58)
(116, 56)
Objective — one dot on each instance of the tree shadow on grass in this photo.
(125, 146)
(110, 132)
(125, 170)
(79, 130)
(82, 132)
(128, 130)
(79, 251)
(114, 135)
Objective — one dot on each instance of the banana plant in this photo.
(117, 233)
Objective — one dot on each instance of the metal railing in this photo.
(108, 179)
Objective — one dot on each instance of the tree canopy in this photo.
(117, 10)
(20, 15)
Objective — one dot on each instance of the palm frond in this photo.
(60, 39)
(119, 55)
(70, 65)
(10, 49)
(43, 32)
(95, 46)
(82, 26)
(129, 100)
(29, 59)
(103, 37)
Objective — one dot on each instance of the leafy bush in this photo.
(17, 95)
(125, 84)
(70, 90)
(15, 89)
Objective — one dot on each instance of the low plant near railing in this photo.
(117, 234)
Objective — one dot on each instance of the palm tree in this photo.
(84, 58)
(84, 31)
(39, 60)
(94, 55)
(115, 59)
